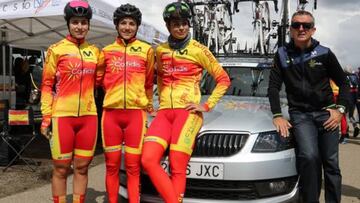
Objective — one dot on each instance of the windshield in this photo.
(244, 82)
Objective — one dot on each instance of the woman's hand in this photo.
(193, 108)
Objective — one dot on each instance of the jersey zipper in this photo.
(82, 70)
(172, 81)
(125, 77)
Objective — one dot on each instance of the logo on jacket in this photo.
(118, 64)
(313, 63)
(133, 49)
(182, 52)
(87, 53)
(75, 70)
(314, 53)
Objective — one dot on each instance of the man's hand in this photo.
(282, 126)
(193, 108)
(334, 120)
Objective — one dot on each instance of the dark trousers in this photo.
(316, 148)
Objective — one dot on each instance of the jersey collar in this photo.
(120, 40)
(75, 41)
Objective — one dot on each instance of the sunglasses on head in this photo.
(306, 26)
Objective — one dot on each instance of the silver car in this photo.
(238, 156)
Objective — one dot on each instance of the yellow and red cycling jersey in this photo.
(126, 72)
(69, 79)
(179, 75)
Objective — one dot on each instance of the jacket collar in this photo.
(121, 41)
(292, 48)
(75, 41)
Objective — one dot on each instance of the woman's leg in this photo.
(80, 180)
(61, 145)
(134, 132)
(85, 142)
(155, 143)
(151, 157)
(58, 181)
(185, 129)
(112, 136)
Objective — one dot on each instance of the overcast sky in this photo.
(337, 23)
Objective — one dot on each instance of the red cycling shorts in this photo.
(73, 136)
(177, 127)
(123, 125)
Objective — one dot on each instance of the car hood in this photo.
(234, 113)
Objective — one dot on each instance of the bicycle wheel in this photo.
(227, 34)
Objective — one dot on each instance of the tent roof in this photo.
(40, 23)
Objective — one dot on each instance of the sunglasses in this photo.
(306, 26)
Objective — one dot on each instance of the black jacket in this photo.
(306, 75)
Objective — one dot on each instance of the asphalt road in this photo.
(349, 162)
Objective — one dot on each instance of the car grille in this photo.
(221, 189)
(219, 144)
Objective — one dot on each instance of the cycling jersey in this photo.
(126, 73)
(179, 75)
(68, 79)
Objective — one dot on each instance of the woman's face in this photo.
(127, 28)
(78, 27)
(179, 28)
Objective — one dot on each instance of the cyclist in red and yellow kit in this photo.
(67, 102)
(181, 62)
(127, 68)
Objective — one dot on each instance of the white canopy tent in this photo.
(40, 23)
(36, 24)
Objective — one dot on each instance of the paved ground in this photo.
(349, 160)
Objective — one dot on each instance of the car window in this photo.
(244, 82)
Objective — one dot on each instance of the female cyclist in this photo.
(67, 102)
(181, 62)
(127, 67)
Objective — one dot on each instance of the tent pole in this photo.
(11, 82)
(4, 70)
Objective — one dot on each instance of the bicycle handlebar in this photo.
(258, 1)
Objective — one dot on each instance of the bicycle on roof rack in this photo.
(263, 26)
(302, 4)
(212, 24)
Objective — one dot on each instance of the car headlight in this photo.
(271, 142)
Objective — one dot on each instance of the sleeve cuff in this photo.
(206, 107)
(46, 121)
(277, 115)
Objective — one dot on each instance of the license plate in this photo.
(201, 170)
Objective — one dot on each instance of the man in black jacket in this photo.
(305, 67)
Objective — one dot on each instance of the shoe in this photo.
(356, 131)
(346, 135)
(341, 139)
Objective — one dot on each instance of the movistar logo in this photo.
(133, 49)
(182, 52)
(87, 53)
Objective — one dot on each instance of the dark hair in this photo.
(303, 12)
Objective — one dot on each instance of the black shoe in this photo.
(346, 135)
(356, 131)
(342, 138)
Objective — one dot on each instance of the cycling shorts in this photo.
(177, 127)
(123, 125)
(73, 135)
